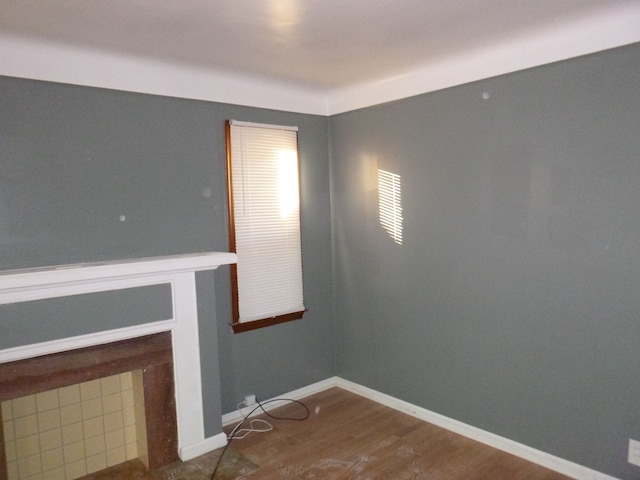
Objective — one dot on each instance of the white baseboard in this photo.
(538, 457)
(237, 415)
(207, 445)
(220, 440)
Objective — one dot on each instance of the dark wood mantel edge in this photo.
(57, 370)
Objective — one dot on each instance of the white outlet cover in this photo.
(634, 452)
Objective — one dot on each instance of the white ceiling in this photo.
(326, 48)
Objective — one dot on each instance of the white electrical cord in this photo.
(239, 433)
(246, 431)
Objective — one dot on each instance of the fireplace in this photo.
(151, 355)
(166, 351)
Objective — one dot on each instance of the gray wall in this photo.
(513, 303)
(76, 161)
(49, 319)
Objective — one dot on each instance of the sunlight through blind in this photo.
(390, 204)
(266, 215)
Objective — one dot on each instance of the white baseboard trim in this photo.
(207, 445)
(539, 457)
(544, 459)
(237, 415)
(220, 440)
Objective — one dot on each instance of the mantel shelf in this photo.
(83, 273)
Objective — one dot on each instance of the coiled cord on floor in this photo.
(252, 425)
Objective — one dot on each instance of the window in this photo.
(264, 224)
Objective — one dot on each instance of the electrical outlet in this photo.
(249, 400)
(634, 452)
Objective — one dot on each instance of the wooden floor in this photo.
(345, 437)
(350, 437)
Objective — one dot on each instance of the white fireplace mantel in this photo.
(179, 272)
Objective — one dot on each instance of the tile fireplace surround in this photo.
(173, 342)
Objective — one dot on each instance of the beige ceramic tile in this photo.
(127, 398)
(55, 474)
(29, 466)
(113, 421)
(129, 415)
(143, 457)
(50, 439)
(69, 395)
(74, 452)
(95, 445)
(9, 431)
(96, 463)
(131, 451)
(37, 476)
(12, 471)
(138, 396)
(112, 403)
(72, 433)
(130, 434)
(52, 459)
(71, 414)
(110, 385)
(141, 435)
(75, 469)
(126, 381)
(27, 446)
(137, 381)
(141, 425)
(10, 451)
(92, 408)
(7, 410)
(47, 400)
(25, 426)
(89, 390)
(24, 406)
(93, 426)
(48, 420)
(107, 406)
(142, 452)
(114, 439)
(116, 456)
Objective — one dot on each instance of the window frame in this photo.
(236, 324)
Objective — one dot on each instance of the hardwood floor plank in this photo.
(350, 437)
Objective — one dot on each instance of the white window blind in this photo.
(266, 219)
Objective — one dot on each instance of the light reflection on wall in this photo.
(390, 204)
